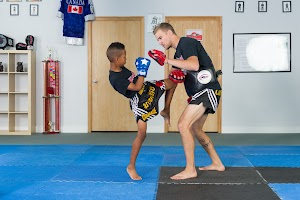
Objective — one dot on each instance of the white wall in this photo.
(252, 102)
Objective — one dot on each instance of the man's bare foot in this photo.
(213, 167)
(166, 115)
(184, 175)
(133, 174)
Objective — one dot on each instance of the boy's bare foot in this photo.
(133, 174)
(184, 175)
(166, 115)
(213, 167)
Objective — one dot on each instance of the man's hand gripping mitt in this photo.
(177, 76)
(158, 56)
(142, 66)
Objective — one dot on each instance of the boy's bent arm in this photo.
(138, 85)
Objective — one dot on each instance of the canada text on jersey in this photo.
(75, 2)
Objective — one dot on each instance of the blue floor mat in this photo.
(85, 190)
(286, 191)
(274, 160)
(29, 173)
(44, 148)
(99, 171)
(221, 150)
(117, 159)
(106, 174)
(37, 159)
(12, 190)
(203, 160)
(270, 150)
(125, 149)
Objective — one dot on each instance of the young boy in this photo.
(144, 96)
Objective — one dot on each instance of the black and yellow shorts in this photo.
(144, 104)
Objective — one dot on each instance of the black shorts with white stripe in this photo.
(210, 99)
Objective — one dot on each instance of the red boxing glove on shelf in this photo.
(158, 56)
(177, 76)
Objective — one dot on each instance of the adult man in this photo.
(203, 89)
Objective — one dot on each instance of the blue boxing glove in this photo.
(142, 66)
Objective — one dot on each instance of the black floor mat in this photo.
(280, 174)
(235, 183)
(230, 175)
(215, 192)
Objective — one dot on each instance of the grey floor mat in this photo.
(280, 174)
(215, 192)
(232, 175)
(235, 183)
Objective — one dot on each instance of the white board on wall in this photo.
(262, 52)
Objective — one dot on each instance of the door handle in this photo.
(95, 81)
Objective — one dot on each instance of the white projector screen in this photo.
(262, 52)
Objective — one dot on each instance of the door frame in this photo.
(89, 47)
(215, 18)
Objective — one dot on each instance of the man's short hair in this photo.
(114, 50)
(164, 27)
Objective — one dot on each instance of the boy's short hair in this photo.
(114, 50)
(164, 26)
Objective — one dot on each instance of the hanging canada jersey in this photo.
(75, 13)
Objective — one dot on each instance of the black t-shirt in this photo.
(186, 48)
(121, 80)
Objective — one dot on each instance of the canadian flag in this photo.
(75, 9)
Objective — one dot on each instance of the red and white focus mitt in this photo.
(158, 56)
(177, 76)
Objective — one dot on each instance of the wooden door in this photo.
(109, 110)
(211, 28)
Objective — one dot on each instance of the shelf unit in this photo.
(17, 93)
